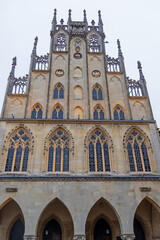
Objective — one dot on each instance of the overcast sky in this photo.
(135, 22)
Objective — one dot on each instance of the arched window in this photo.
(57, 112)
(97, 93)
(98, 152)
(118, 113)
(58, 91)
(98, 113)
(94, 44)
(52, 230)
(36, 112)
(58, 155)
(102, 230)
(137, 152)
(61, 43)
(18, 152)
(17, 231)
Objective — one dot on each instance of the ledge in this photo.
(38, 70)
(137, 97)
(16, 95)
(77, 178)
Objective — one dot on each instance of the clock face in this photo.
(59, 72)
(96, 73)
(77, 55)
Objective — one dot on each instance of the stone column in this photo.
(30, 237)
(79, 237)
(128, 236)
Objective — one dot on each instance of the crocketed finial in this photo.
(55, 15)
(100, 23)
(84, 16)
(14, 63)
(119, 48)
(141, 76)
(69, 16)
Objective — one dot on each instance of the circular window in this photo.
(77, 55)
(96, 73)
(59, 72)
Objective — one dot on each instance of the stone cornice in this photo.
(77, 178)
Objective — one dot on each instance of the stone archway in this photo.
(56, 219)
(102, 212)
(147, 220)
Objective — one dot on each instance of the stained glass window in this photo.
(18, 152)
(58, 157)
(118, 113)
(36, 112)
(98, 152)
(98, 113)
(97, 93)
(57, 112)
(137, 153)
(58, 91)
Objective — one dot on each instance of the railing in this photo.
(113, 64)
(42, 62)
(19, 85)
(134, 88)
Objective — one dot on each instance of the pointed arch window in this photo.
(58, 154)
(94, 44)
(137, 152)
(98, 113)
(57, 112)
(36, 112)
(58, 91)
(61, 43)
(98, 152)
(118, 113)
(97, 92)
(18, 152)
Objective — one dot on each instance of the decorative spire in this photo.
(141, 76)
(100, 23)
(84, 16)
(54, 22)
(14, 63)
(120, 54)
(35, 46)
(69, 16)
(34, 54)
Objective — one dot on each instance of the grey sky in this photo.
(134, 22)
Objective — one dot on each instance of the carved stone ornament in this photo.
(96, 73)
(77, 49)
(128, 236)
(79, 237)
(77, 55)
(29, 237)
(59, 72)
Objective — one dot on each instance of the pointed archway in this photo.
(55, 222)
(12, 220)
(102, 222)
(146, 220)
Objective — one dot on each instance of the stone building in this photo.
(79, 145)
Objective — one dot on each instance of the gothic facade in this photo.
(80, 150)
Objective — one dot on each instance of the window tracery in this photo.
(36, 112)
(18, 152)
(57, 112)
(94, 44)
(61, 43)
(58, 91)
(98, 152)
(58, 152)
(118, 113)
(97, 92)
(137, 152)
(98, 113)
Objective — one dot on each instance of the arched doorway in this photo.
(102, 230)
(52, 231)
(138, 230)
(17, 230)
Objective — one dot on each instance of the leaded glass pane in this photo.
(15, 138)
(106, 157)
(33, 114)
(66, 159)
(50, 159)
(55, 93)
(101, 115)
(61, 93)
(60, 114)
(9, 161)
(94, 94)
(145, 158)
(18, 159)
(21, 132)
(39, 114)
(58, 159)
(91, 158)
(95, 115)
(130, 156)
(100, 96)
(116, 117)
(54, 114)
(122, 115)
(138, 156)
(99, 156)
(25, 159)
